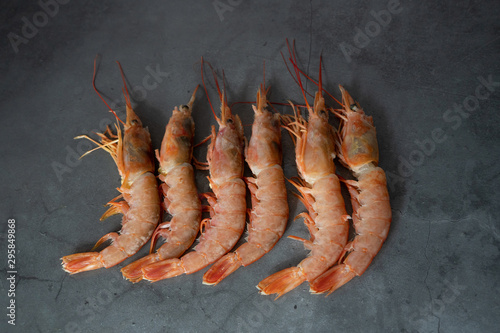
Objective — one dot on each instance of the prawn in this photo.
(319, 187)
(358, 151)
(269, 214)
(181, 198)
(132, 154)
(221, 231)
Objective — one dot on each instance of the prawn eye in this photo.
(185, 107)
(229, 121)
(322, 113)
(353, 107)
(134, 122)
(276, 123)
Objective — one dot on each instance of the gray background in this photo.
(438, 270)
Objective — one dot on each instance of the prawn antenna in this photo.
(224, 87)
(320, 85)
(206, 91)
(125, 91)
(297, 71)
(262, 100)
(98, 94)
(320, 80)
(288, 68)
(264, 74)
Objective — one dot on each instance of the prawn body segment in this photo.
(179, 190)
(183, 204)
(269, 213)
(144, 206)
(369, 197)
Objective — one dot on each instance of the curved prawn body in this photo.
(180, 194)
(227, 203)
(320, 192)
(269, 213)
(358, 150)
(132, 153)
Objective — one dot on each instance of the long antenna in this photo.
(206, 92)
(93, 84)
(125, 91)
(297, 73)
(313, 81)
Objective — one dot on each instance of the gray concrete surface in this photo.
(429, 76)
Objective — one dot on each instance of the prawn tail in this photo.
(133, 271)
(332, 279)
(81, 262)
(164, 269)
(222, 269)
(282, 282)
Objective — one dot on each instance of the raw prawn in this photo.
(132, 154)
(358, 151)
(228, 201)
(269, 213)
(321, 194)
(181, 198)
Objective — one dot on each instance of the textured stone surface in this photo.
(438, 270)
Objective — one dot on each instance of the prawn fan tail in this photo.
(282, 282)
(81, 262)
(164, 269)
(332, 279)
(222, 269)
(133, 271)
